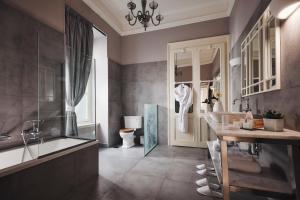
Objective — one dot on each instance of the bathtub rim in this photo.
(45, 158)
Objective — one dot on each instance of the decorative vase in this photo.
(273, 124)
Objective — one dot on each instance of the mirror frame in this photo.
(260, 29)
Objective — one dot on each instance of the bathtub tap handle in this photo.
(31, 132)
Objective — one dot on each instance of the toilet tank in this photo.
(133, 122)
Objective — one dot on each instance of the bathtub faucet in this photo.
(30, 130)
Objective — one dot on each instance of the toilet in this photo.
(127, 134)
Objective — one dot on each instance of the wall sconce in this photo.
(282, 9)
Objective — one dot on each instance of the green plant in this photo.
(272, 114)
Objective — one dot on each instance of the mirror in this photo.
(183, 66)
(209, 78)
(255, 63)
(260, 57)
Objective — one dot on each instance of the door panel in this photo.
(185, 62)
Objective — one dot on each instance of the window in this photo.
(260, 54)
(85, 110)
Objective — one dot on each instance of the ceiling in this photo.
(175, 12)
(207, 56)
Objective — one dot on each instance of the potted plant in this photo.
(273, 121)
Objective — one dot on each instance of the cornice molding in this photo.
(110, 19)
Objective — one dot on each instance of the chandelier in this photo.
(143, 16)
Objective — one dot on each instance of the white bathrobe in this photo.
(184, 95)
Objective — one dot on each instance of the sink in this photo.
(232, 116)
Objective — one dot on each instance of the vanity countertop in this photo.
(221, 131)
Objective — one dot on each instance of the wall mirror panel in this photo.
(260, 54)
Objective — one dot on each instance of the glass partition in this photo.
(66, 92)
(150, 127)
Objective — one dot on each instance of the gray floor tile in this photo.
(167, 173)
(152, 167)
(176, 190)
(141, 186)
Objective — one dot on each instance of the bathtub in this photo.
(21, 155)
(58, 166)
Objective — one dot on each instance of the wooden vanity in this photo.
(265, 182)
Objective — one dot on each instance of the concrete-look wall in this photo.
(114, 102)
(52, 13)
(146, 83)
(144, 70)
(285, 100)
(241, 13)
(152, 46)
(21, 55)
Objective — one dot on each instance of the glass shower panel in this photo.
(51, 87)
(150, 127)
(53, 132)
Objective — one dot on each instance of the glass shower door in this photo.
(150, 127)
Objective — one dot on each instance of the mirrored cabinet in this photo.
(260, 57)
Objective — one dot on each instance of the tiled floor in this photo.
(167, 173)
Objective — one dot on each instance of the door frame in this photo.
(224, 71)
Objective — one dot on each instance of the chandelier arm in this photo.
(155, 24)
(133, 14)
(135, 20)
(152, 13)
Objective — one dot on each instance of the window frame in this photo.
(90, 103)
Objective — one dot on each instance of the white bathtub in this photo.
(17, 156)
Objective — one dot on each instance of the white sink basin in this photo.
(232, 116)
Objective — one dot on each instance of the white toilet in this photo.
(127, 134)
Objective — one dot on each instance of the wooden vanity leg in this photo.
(225, 172)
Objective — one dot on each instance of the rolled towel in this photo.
(202, 182)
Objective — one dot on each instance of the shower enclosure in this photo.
(34, 116)
(150, 127)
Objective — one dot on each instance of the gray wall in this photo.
(19, 74)
(152, 46)
(285, 100)
(241, 13)
(114, 102)
(52, 14)
(146, 83)
(144, 70)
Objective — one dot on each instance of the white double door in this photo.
(184, 65)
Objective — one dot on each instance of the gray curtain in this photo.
(79, 53)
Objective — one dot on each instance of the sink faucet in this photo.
(242, 100)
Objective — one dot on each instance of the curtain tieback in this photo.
(70, 108)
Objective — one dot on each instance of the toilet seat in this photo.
(126, 130)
